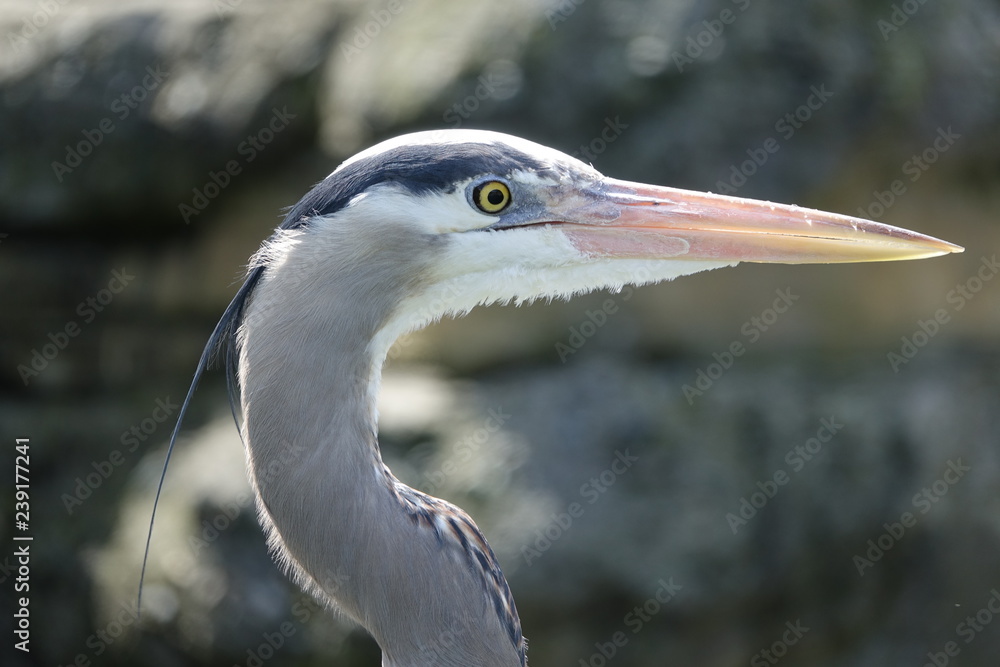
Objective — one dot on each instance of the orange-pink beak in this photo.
(615, 218)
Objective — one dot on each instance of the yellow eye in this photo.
(491, 197)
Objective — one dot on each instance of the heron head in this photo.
(484, 217)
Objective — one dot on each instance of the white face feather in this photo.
(478, 266)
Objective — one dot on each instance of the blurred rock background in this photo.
(148, 148)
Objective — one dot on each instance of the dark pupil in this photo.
(494, 197)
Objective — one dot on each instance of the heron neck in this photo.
(308, 388)
(309, 378)
(343, 526)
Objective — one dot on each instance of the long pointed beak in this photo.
(616, 218)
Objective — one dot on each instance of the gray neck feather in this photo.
(405, 566)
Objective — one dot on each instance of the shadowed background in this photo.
(826, 495)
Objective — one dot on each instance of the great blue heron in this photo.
(415, 228)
